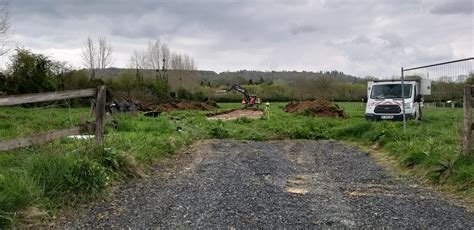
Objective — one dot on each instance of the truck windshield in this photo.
(390, 91)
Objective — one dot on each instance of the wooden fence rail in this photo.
(99, 111)
(39, 138)
(49, 96)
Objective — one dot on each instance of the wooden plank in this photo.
(99, 115)
(39, 138)
(467, 104)
(48, 96)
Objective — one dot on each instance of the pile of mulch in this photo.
(318, 108)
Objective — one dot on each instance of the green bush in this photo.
(200, 96)
(185, 94)
(30, 73)
(445, 167)
(76, 79)
(161, 89)
(87, 177)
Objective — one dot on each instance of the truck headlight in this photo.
(408, 105)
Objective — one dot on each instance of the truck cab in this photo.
(385, 99)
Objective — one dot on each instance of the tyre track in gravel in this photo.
(296, 184)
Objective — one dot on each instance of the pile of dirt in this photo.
(318, 107)
(165, 107)
(129, 105)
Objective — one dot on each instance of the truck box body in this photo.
(384, 98)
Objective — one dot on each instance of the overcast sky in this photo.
(359, 37)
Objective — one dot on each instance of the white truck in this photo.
(384, 99)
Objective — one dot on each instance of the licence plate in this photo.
(386, 117)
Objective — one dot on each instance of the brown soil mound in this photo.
(183, 105)
(318, 107)
(175, 106)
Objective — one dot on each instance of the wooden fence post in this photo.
(466, 145)
(99, 115)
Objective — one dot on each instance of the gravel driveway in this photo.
(295, 184)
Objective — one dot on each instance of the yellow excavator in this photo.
(248, 100)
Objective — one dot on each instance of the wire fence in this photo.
(448, 80)
(457, 71)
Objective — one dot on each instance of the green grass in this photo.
(19, 122)
(66, 172)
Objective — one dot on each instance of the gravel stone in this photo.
(276, 184)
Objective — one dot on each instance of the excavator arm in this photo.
(241, 90)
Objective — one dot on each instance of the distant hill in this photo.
(239, 77)
(287, 76)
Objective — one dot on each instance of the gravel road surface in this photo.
(294, 184)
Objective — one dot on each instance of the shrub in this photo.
(87, 177)
(444, 167)
(184, 94)
(76, 79)
(199, 95)
(161, 89)
(118, 162)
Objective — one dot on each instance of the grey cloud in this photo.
(300, 29)
(393, 40)
(454, 7)
(360, 37)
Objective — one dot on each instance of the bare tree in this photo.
(89, 57)
(181, 62)
(165, 54)
(154, 54)
(104, 56)
(138, 61)
(193, 65)
(188, 63)
(176, 61)
(97, 56)
(4, 26)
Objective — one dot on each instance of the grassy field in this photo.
(36, 182)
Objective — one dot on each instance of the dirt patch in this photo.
(318, 107)
(236, 114)
(165, 107)
(175, 106)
